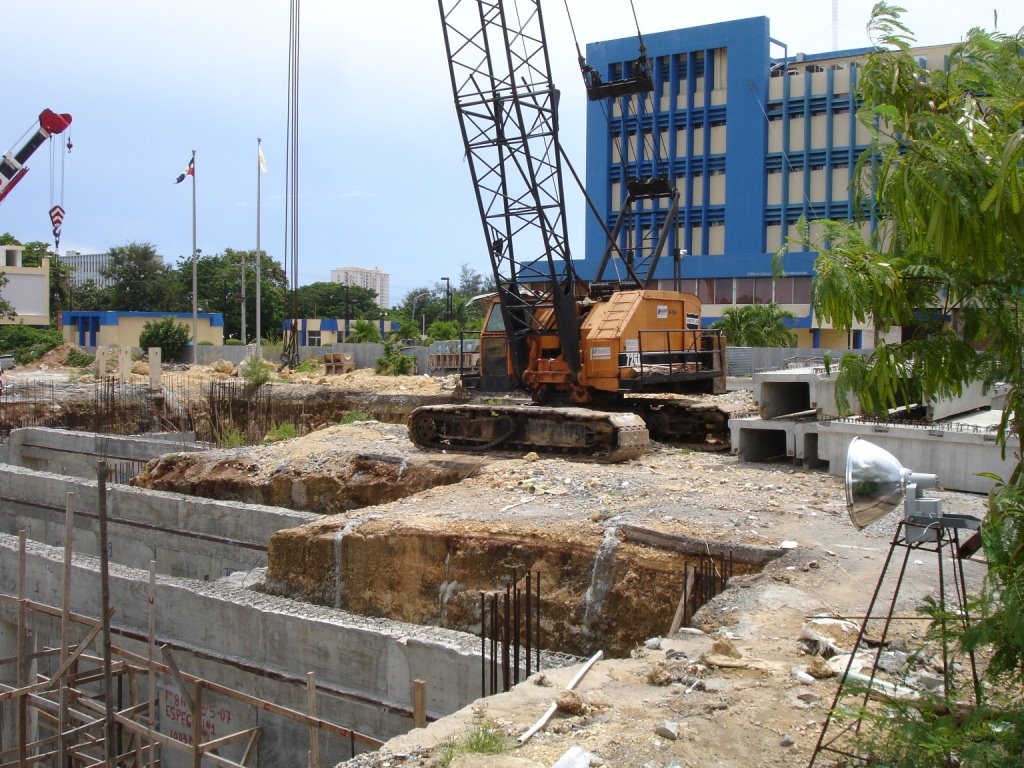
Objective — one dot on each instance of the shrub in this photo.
(168, 334)
(309, 365)
(255, 373)
(353, 416)
(233, 343)
(232, 438)
(393, 362)
(28, 344)
(79, 359)
(285, 431)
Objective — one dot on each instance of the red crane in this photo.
(12, 165)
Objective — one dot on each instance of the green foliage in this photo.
(757, 325)
(443, 330)
(484, 737)
(91, 298)
(278, 432)
(362, 332)
(234, 343)
(925, 734)
(325, 299)
(255, 373)
(140, 280)
(79, 359)
(167, 333)
(393, 362)
(946, 266)
(1001, 605)
(309, 365)
(28, 344)
(232, 438)
(354, 416)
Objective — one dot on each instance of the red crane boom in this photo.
(12, 165)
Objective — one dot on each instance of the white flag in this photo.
(261, 159)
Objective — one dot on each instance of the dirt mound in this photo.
(56, 358)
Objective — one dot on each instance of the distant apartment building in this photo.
(90, 266)
(372, 279)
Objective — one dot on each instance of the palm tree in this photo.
(757, 325)
(363, 331)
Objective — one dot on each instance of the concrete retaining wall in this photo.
(75, 453)
(187, 536)
(264, 646)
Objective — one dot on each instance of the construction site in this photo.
(168, 602)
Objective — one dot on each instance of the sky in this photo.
(382, 179)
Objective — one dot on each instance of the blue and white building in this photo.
(753, 136)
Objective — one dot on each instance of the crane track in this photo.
(604, 435)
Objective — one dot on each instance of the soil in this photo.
(752, 711)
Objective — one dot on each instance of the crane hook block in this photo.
(53, 123)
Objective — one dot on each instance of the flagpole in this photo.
(259, 259)
(195, 277)
(243, 300)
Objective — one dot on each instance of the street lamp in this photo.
(447, 298)
(348, 309)
(423, 317)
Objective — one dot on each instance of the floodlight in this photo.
(876, 483)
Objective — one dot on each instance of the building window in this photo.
(723, 290)
(753, 290)
(793, 290)
(706, 290)
(312, 338)
(801, 290)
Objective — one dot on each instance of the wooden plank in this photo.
(419, 704)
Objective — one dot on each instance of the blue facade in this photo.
(721, 124)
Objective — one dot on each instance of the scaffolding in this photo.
(89, 703)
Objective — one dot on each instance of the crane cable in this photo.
(57, 205)
(632, 109)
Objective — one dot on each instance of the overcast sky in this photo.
(382, 179)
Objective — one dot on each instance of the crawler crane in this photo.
(590, 347)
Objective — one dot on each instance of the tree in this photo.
(338, 300)
(90, 297)
(363, 331)
(757, 325)
(139, 280)
(944, 172)
(169, 334)
(219, 278)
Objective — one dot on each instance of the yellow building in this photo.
(102, 329)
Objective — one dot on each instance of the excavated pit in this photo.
(419, 536)
(598, 589)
